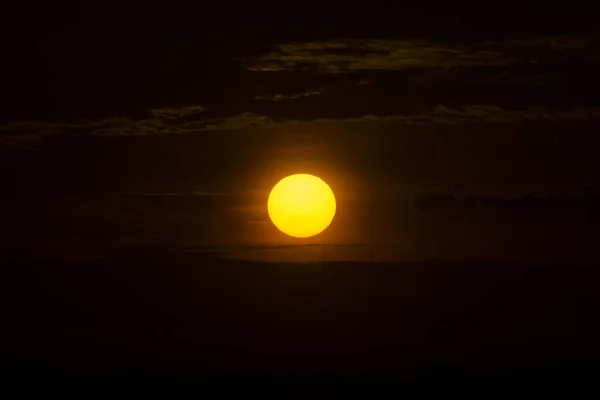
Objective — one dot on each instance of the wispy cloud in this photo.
(412, 81)
(31, 140)
(480, 114)
(31, 134)
(177, 113)
(171, 194)
(350, 55)
(296, 246)
(160, 127)
(241, 121)
(289, 96)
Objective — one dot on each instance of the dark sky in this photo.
(139, 143)
(169, 124)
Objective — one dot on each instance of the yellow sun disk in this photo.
(301, 205)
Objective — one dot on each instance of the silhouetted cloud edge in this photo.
(370, 54)
(289, 96)
(30, 134)
(168, 194)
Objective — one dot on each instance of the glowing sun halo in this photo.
(301, 205)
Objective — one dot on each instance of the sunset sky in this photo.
(173, 130)
(139, 144)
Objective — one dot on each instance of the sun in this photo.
(301, 205)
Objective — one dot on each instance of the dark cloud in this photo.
(168, 113)
(165, 121)
(480, 114)
(289, 96)
(169, 194)
(359, 55)
(351, 55)
(150, 127)
(297, 246)
(414, 76)
(334, 86)
(433, 81)
(31, 134)
(242, 121)
(495, 114)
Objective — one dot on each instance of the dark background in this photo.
(138, 144)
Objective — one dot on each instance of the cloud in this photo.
(144, 127)
(30, 126)
(414, 81)
(352, 55)
(165, 121)
(27, 140)
(356, 55)
(169, 194)
(30, 135)
(241, 121)
(152, 127)
(297, 246)
(174, 114)
(481, 114)
(312, 91)
(289, 96)
(438, 115)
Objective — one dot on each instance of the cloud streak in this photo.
(30, 135)
(479, 114)
(178, 113)
(289, 96)
(352, 55)
(169, 194)
(544, 78)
